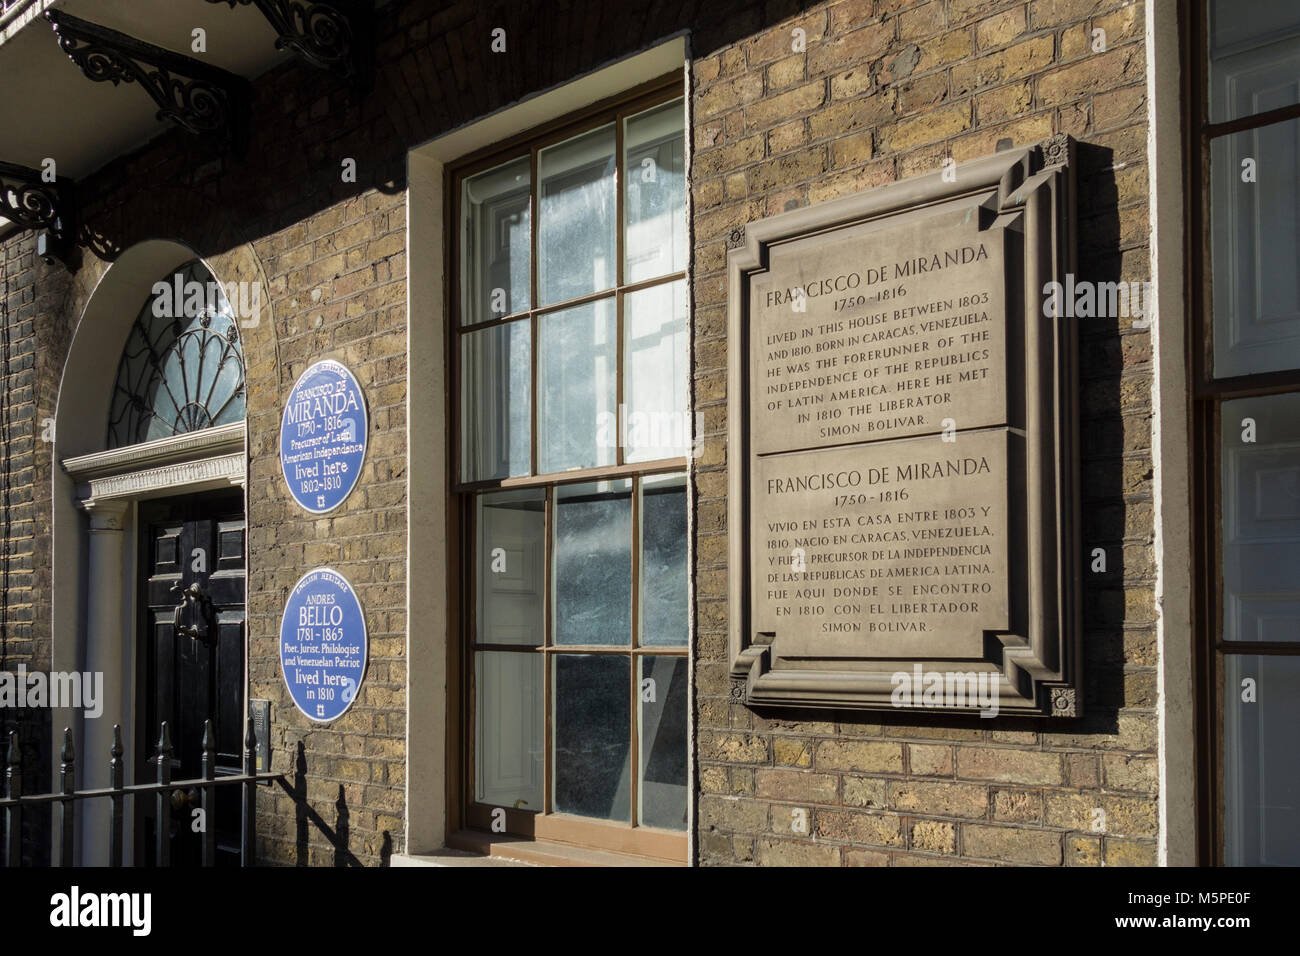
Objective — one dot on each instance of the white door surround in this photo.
(95, 534)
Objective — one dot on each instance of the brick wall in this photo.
(332, 255)
(884, 91)
(19, 435)
(30, 371)
(337, 282)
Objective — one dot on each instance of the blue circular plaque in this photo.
(323, 436)
(323, 644)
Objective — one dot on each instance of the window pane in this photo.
(182, 368)
(1256, 244)
(663, 561)
(510, 572)
(508, 755)
(575, 237)
(654, 202)
(656, 366)
(662, 742)
(1254, 57)
(1261, 519)
(593, 563)
(1261, 772)
(494, 268)
(593, 759)
(578, 387)
(496, 397)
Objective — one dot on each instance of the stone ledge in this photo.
(450, 857)
(525, 852)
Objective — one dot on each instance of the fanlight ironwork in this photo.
(182, 369)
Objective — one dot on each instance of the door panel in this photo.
(193, 653)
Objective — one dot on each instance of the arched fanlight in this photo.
(182, 369)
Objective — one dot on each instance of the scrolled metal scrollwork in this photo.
(328, 34)
(26, 199)
(33, 202)
(199, 98)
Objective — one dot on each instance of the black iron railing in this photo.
(69, 798)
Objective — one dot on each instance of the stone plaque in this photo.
(860, 550)
(902, 461)
(887, 330)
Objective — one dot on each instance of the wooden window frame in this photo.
(469, 823)
(1206, 397)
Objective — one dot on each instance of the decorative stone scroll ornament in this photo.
(332, 35)
(903, 447)
(196, 96)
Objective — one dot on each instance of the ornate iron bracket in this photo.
(31, 202)
(332, 35)
(197, 97)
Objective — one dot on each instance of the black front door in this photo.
(192, 645)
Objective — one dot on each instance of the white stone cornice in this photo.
(150, 482)
(187, 446)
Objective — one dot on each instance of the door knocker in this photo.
(200, 612)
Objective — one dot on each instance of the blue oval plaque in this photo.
(323, 644)
(323, 436)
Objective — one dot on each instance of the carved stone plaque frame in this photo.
(1016, 435)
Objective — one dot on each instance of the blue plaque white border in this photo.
(365, 433)
(365, 643)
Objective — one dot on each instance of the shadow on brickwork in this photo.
(305, 123)
(306, 819)
(1109, 479)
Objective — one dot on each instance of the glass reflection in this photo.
(575, 236)
(592, 580)
(593, 752)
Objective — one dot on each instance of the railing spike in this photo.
(248, 813)
(162, 817)
(13, 816)
(115, 759)
(207, 795)
(68, 780)
(115, 820)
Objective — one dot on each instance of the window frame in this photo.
(469, 823)
(1206, 397)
